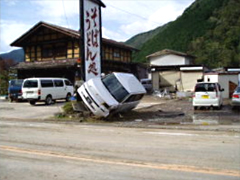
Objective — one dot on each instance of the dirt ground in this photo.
(177, 111)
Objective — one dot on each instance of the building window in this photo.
(50, 51)
(116, 53)
(47, 51)
(60, 51)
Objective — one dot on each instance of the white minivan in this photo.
(207, 94)
(116, 92)
(46, 89)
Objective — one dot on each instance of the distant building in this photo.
(53, 51)
(227, 80)
(174, 71)
(169, 57)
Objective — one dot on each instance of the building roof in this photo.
(168, 51)
(46, 64)
(69, 32)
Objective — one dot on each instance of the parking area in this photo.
(23, 110)
(152, 110)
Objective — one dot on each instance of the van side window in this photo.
(68, 83)
(58, 83)
(134, 98)
(46, 83)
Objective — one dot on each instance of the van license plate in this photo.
(205, 97)
(29, 92)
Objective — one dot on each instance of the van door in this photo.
(68, 86)
(47, 88)
(60, 90)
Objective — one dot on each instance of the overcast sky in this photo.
(121, 19)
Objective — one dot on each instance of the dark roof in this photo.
(168, 51)
(69, 32)
(46, 64)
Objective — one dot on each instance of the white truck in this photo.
(114, 93)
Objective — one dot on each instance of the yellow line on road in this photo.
(172, 167)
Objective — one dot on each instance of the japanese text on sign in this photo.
(92, 40)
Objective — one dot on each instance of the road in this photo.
(36, 150)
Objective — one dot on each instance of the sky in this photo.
(121, 19)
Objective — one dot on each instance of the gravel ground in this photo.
(177, 112)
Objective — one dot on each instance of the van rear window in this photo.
(238, 90)
(30, 84)
(16, 82)
(203, 87)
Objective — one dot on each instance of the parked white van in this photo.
(116, 92)
(46, 89)
(207, 94)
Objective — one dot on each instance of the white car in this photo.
(207, 94)
(236, 98)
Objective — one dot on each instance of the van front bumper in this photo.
(96, 108)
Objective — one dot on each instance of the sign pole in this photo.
(81, 39)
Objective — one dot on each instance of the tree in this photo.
(4, 74)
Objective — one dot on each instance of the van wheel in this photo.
(48, 100)
(32, 102)
(68, 97)
(195, 107)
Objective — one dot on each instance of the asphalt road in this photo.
(35, 150)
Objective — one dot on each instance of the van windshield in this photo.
(203, 87)
(30, 84)
(115, 87)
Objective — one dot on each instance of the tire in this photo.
(68, 97)
(195, 107)
(32, 102)
(48, 100)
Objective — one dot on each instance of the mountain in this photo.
(138, 40)
(207, 29)
(16, 55)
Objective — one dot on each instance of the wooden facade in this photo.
(48, 47)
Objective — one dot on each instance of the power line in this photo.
(65, 13)
(134, 14)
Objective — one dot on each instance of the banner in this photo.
(91, 38)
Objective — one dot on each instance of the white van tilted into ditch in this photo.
(116, 92)
(46, 89)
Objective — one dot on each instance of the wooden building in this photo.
(53, 51)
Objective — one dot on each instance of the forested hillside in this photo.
(16, 55)
(208, 29)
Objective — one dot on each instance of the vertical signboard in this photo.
(91, 38)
